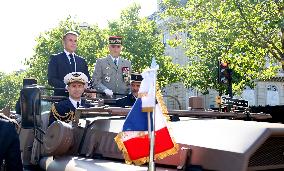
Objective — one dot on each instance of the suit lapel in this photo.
(120, 63)
(71, 105)
(111, 63)
(76, 58)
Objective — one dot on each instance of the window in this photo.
(272, 97)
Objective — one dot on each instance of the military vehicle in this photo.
(207, 140)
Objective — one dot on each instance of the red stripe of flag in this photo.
(139, 147)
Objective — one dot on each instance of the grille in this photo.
(270, 153)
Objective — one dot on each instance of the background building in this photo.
(177, 96)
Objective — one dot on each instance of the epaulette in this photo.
(66, 117)
(55, 54)
(4, 117)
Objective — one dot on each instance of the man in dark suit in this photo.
(130, 99)
(10, 146)
(65, 62)
(112, 73)
(76, 83)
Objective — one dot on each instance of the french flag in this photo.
(134, 141)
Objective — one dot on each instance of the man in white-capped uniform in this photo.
(64, 110)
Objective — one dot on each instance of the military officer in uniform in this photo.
(112, 73)
(10, 146)
(64, 110)
(130, 99)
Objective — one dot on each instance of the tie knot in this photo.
(115, 61)
(78, 104)
(71, 56)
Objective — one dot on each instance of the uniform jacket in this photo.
(64, 111)
(109, 76)
(59, 66)
(10, 146)
(128, 100)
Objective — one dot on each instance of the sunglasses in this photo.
(115, 46)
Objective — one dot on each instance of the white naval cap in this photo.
(75, 77)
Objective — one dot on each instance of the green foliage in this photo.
(142, 42)
(91, 43)
(10, 87)
(247, 34)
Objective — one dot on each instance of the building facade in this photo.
(177, 96)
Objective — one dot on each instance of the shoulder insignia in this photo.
(67, 117)
(4, 117)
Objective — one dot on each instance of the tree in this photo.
(247, 34)
(92, 41)
(10, 87)
(142, 42)
(92, 44)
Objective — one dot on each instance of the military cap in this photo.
(75, 77)
(136, 77)
(115, 40)
(70, 32)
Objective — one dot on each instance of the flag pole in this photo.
(151, 166)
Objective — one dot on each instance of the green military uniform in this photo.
(109, 76)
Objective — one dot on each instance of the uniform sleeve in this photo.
(130, 68)
(121, 102)
(130, 71)
(63, 111)
(98, 76)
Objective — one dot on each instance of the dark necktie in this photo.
(115, 61)
(78, 104)
(72, 62)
